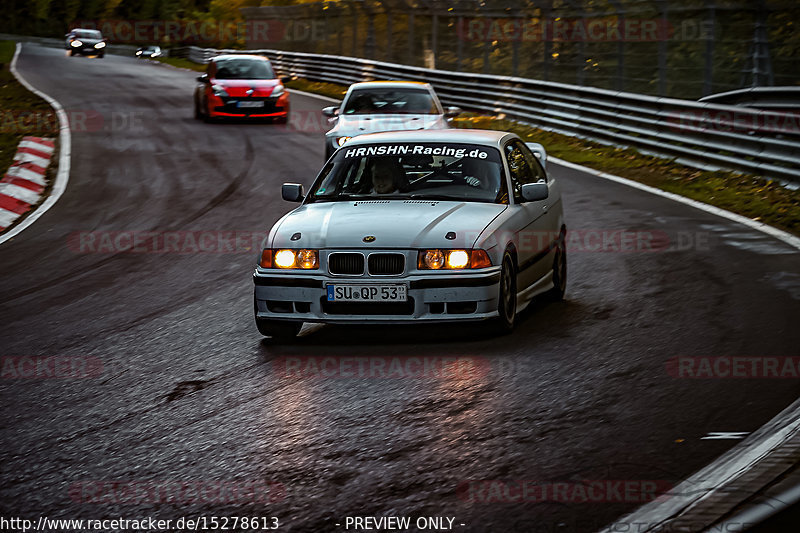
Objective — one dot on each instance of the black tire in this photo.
(559, 271)
(328, 151)
(281, 120)
(277, 329)
(507, 298)
(72, 53)
(101, 56)
(197, 114)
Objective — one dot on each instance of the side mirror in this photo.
(203, 78)
(533, 192)
(539, 151)
(286, 79)
(452, 111)
(331, 111)
(292, 192)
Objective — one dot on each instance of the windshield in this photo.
(390, 101)
(244, 69)
(403, 171)
(88, 34)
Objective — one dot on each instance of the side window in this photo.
(534, 163)
(520, 166)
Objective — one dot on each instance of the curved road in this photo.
(189, 392)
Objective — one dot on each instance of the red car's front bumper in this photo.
(219, 107)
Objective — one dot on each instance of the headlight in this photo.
(341, 140)
(290, 259)
(278, 90)
(219, 90)
(76, 43)
(154, 54)
(100, 45)
(452, 259)
(138, 52)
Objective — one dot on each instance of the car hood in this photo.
(90, 42)
(353, 125)
(240, 87)
(393, 223)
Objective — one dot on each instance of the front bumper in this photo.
(442, 296)
(227, 106)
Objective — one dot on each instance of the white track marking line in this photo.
(65, 148)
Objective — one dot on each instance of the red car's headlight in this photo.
(437, 259)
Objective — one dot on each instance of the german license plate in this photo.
(250, 104)
(367, 293)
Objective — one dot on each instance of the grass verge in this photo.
(21, 112)
(181, 63)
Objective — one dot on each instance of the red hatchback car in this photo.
(241, 86)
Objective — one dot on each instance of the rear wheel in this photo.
(277, 329)
(507, 298)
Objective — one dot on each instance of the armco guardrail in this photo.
(765, 143)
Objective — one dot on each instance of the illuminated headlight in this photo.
(290, 259)
(138, 52)
(76, 43)
(278, 90)
(100, 45)
(219, 90)
(452, 259)
(341, 140)
(154, 54)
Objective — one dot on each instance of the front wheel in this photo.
(278, 329)
(559, 271)
(507, 298)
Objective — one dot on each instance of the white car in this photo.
(375, 106)
(435, 226)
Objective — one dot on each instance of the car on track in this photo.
(376, 106)
(436, 226)
(86, 42)
(148, 51)
(243, 86)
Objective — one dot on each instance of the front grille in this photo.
(346, 263)
(386, 264)
(367, 308)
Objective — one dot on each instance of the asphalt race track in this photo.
(189, 392)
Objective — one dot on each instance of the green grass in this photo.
(22, 113)
(181, 63)
(331, 90)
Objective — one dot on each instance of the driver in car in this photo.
(387, 175)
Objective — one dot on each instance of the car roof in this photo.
(239, 56)
(389, 84)
(484, 137)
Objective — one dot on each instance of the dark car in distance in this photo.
(86, 42)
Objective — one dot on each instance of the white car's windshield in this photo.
(88, 34)
(409, 171)
(377, 101)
